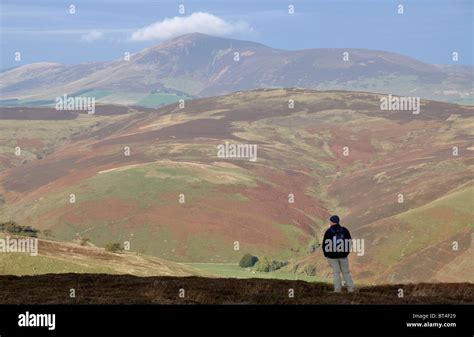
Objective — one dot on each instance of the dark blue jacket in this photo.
(330, 233)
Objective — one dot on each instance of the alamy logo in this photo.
(76, 103)
(19, 245)
(37, 320)
(402, 103)
(336, 245)
(238, 151)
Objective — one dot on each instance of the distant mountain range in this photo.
(199, 65)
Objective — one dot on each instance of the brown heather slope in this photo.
(126, 289)
(39, 130)
(300, 152)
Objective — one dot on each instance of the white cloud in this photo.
(92, 36)
(197, 22)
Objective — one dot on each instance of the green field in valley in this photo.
(234, 271)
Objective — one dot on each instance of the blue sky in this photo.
(103, 30)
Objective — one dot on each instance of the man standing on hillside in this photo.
(337, 244)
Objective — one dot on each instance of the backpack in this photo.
(337, 236)
(340, 234)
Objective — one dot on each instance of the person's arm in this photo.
(326, 236)
(348, 236)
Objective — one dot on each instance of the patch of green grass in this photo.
(122, 98)
(146, 185)
(159, 99)
(98, 94)
(297, 240)
(427, 225)
(236, 197)
(185, 85)
(429, 221)
(234, 271)
(50, 132)
(162, 244)
(26, 102)
(25, 264)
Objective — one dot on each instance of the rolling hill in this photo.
(335, 152)
(73, 257)
(199, 65)
(127, 289)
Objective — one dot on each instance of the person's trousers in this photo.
(341, 266)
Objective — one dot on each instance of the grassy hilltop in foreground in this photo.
(126, 289)
(175, 199)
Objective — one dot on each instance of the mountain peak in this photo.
(194, 35)
(211, 41)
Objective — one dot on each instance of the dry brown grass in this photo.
(126, 289)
